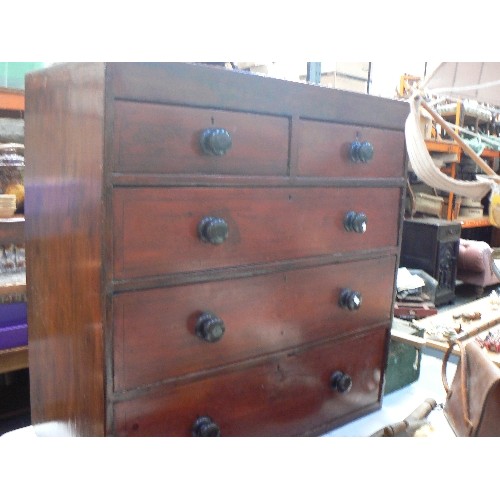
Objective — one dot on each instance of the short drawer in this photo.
(337, 150)
(177, 331)
(156, 138)
(169, 230)
(294, 393)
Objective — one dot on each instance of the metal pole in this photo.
(313, 72)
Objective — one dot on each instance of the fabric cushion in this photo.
(474, 256)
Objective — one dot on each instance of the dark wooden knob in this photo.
(205, 427)
(209, 327)
(350, 299)
(340, 381)
(213, 230)
(215, 141)
(361, 152)
(355, 221)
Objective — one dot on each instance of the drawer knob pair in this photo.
(205, 427)
(340, 381)
(355, 222)
(213, 230)
(350, 299)
(361, 152)
(210, 327)
(215, 141)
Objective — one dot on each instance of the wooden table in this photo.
(490, 317)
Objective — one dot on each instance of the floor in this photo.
(395, 408)
(14, 401)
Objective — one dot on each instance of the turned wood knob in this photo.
(361, 152)
(350, 299)
(205, 427)
(215, 141)
(209, 327)
(355, 221)
(213, 230)
(340, 381)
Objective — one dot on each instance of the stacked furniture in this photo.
(209, 252)
(13, 314)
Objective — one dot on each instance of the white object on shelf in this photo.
(408, 281)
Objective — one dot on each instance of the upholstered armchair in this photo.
(476, 264)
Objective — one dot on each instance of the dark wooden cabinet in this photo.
(209, 252)
(432, 246)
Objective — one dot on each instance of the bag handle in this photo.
(443, 369)
(463, 377)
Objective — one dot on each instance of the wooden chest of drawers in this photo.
(208, 251)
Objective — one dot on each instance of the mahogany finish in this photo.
(263, 225)
(261, 314)
(205, 253)
(325, 149)
(284, 395)
(158, 138)
(64, 130)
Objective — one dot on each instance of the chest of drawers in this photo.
(209, 252)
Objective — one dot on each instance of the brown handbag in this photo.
(472, 405)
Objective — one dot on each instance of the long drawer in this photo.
(164, 230)
(157, 138)
(291, 394)
(171, 332)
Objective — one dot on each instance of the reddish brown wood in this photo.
(63, 182)
(154, 138)
(324, 151)
(203, 86)
(262, 314)
(289, 394)
(115, 189)
(265, 225)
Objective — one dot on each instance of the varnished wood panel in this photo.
(324, 151)
(288, 395)
(63, 182)
(113, 252)
(166, 139)
(200, 85)
(261, 315)
(156, 229)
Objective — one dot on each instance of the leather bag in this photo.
(472, 405)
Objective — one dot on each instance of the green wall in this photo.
(12, 73)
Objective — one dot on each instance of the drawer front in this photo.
(325, 151)
(291, 394)
(154, 138)
(171, 332)
(157, 229)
